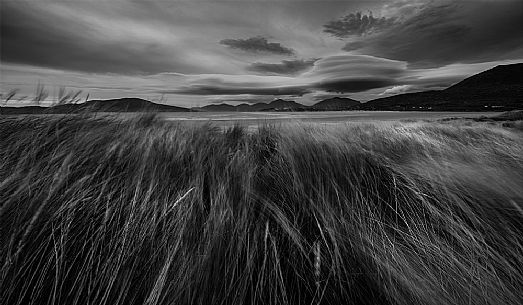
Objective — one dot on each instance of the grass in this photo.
(510, 119)
(106, 211)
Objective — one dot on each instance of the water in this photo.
(327, 117)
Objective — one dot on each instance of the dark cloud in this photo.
(286, 67)
(445, 33)
(257, 44)
(36, 37)
(349, 85)
(357, 67)
(352, 85)
(355, 73)
(232, 90)
(357, 24)
(338, 73)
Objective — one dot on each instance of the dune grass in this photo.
(106, 211)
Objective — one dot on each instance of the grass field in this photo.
(105, 211)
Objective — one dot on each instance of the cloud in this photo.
(355, 73)
(200, 89)
(351, 85)
(402, 9)
(338, 85)
(286, 67)
(357, 24)
(104, 38)
(257, 44)
(397, 90)
(349, 66)
(240, 99)
(442, 33)
(337, 73)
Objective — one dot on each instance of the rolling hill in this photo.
(112, 105)
(336, 103)
(276, 105)
(500, 88)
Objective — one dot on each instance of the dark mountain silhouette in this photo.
(500, 88)
(283, 105)
(336, 103)
(112, 105)
(276, 105)
(502, 75)
(23, 110)
(257, 107)
(246, 107)
(217, 108)
(131, 105)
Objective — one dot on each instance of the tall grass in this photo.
(105, 211)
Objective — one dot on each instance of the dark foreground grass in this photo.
(100, 211)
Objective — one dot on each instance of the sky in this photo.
(194, 53)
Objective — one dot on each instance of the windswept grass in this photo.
(102, 211)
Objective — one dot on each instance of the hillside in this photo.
(335, 103)
(280, 105)
(500, 88)
(217, 108)
(131, 105)
(112, 105)
(276, 105)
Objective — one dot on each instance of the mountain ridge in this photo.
(334, 103)
(499, 88)
(126, 104)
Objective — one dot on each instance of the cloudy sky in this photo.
(193, 53)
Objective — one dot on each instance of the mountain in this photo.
(502, 75)
(218, 108)
(247, 107)
(129, 105)
(335, 103)
(283, 105)
(276, 105)
(500, 88)
(112, 105)
(23, 110)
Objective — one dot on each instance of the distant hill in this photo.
(217, 108)
(276, 105)
(500, 88)
(112, 105)
(282, 105)
(502, 75)
(336, 103)
(131, 105)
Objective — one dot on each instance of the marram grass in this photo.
(105, 211)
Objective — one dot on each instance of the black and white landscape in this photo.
(261, 152)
